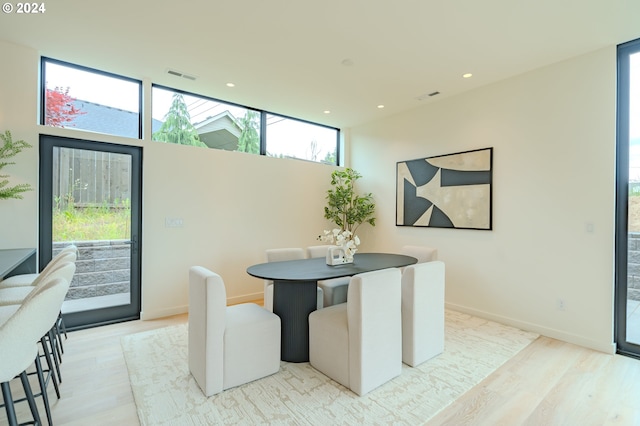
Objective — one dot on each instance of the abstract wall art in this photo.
(446, 191)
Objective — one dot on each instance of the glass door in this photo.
(90, 196)
(628, 201)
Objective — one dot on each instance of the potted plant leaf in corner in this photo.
(11, 148)
(347, 210)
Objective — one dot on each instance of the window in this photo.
(287, 137)
(187, 119)
(628, 201)
(86, 99)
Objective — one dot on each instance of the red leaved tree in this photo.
(59, 107)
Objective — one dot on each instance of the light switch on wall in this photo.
(173, 222)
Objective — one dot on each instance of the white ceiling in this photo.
(288, 56)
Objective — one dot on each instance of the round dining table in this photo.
(294, 292)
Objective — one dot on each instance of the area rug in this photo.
(166, 394)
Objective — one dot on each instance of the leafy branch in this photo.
(344, 207)
(10, 149)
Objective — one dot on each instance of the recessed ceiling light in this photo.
(326, 111)
(380, 106)
(347, 62)
(467, 75)
(231, 85)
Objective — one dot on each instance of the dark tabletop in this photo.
(317, 269)
(12, 258)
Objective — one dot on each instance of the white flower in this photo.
(343, 239)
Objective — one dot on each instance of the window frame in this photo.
(142, 113)
(263, 119)
(264, 140)
(624, 52)
(43, 89)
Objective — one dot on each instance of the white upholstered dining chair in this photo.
(422, 253)
(359, 343)
(228, 346)
(280, 255)
(423, 288)
(334, 291)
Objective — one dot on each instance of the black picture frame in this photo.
(446, 191)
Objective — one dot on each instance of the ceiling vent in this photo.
(181, 74)
(427, 95)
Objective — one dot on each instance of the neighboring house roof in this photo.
(104, 119)
(220, 131)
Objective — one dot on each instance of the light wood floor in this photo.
(548, 383)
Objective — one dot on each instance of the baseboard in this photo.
(177, 310)
(245, 298)
(162, 313)
(537, 328)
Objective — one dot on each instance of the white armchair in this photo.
(422, 312)
(228, 346)
(334, 291)
(359, 343)
(280, 255)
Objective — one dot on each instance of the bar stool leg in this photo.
(54, 355)
(43, 389)
(47, 357)
(30, 399)
(8, 404)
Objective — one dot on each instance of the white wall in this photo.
(553, 133)
(18, 113)
(233, 205)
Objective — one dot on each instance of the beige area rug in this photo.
(166, 393)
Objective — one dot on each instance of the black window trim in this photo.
(263, 113)
(43, 86)
(263, 117)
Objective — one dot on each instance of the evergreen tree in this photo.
(177, 127)
(249, 140)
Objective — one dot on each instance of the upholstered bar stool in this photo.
(21, 332)
(14, 289)
(67, 254)
(15, 296)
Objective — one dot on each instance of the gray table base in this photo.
(293, 301)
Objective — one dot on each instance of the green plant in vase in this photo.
(348, 210)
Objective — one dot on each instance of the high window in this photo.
(287, 137)
(87, 99)
(188, 119)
